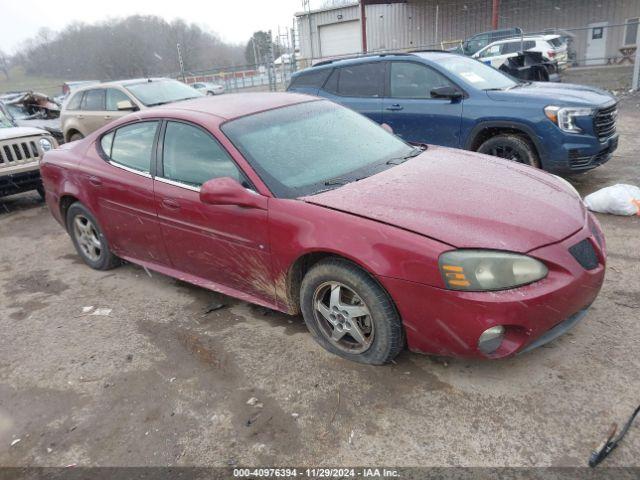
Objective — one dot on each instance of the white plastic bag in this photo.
(618, 199)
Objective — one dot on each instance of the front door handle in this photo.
(170, 204)
(395, 107)
(107, 117)
(95, 181)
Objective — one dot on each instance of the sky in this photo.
(233, 20)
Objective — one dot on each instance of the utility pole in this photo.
(181, 63)
(635, 85)
(495, 14)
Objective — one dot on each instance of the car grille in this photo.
(19, 151)
(577, 162)
(605, 122)
(585, 254)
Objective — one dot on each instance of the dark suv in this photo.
(452, 100)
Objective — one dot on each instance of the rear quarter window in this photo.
(312, 79)
(74, 101)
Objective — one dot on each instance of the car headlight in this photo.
(45, 144)
(564, 117)
(483, 270)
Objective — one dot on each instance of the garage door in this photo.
(340, 38)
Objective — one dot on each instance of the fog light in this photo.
(491, 339)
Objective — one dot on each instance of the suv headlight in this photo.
(564, 117)
(483, 270)
(45, 144)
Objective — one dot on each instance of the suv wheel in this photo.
(76, 136)
(350, 314)
(511, 147)
(88, 239)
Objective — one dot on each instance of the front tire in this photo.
(511, 147)
(350, 314)
(88, 238)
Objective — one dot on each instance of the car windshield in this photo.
(5, 122)
(159, 92)
(314, 146)
(477, 74)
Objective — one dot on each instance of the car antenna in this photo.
(611, 443)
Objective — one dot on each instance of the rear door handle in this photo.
(170, 204)
(107, 117)
(95, 181)
(395, 107)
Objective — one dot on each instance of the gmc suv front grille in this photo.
(604, 122)
(585, 254)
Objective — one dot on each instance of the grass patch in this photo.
(20, 81)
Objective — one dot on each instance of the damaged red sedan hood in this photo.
(466, 200)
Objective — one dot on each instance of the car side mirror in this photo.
(227, 191)
(126, 105)
(387, 127)
(446, 92)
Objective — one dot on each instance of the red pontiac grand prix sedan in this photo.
(301, 205)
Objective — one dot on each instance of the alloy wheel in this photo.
(87, 237)
(343, 317)
(506, 152)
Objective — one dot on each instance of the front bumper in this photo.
(22, 181)
(449, 323)
(580, 155)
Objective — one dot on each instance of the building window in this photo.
(631, 31)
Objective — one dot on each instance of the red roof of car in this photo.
(234, 105)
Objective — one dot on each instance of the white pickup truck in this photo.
(21, 149)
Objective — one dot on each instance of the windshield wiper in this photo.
(169, 101)
(339, 181)
(398, 160)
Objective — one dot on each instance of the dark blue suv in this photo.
(448, 99)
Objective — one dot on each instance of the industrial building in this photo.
(600, 31)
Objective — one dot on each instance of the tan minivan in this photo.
(91, 107)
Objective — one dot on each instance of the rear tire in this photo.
(350, 314)
(511, 147)
(76, 136)
(87, 237)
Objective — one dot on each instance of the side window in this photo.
(331, 85)
(412, 80)
(93, 100)
(311, 79)
(529, 44)
(113, 97)
(106, 143)
(510, 47)
(493, 51)
(364, 80)
(74, 101)
(131, 145)
(631, 31)
(192, 156)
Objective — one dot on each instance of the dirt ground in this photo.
(159, 382)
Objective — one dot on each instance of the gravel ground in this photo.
(159, 382)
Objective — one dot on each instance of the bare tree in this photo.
(4, 64)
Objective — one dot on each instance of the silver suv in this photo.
(92, 107)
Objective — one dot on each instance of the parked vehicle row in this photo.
(301, 205)
(89, 108)
(551, 47)
(452, 100)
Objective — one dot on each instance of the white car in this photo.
(552, 48)
(208, 88)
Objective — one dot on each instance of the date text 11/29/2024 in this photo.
(368, 472)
